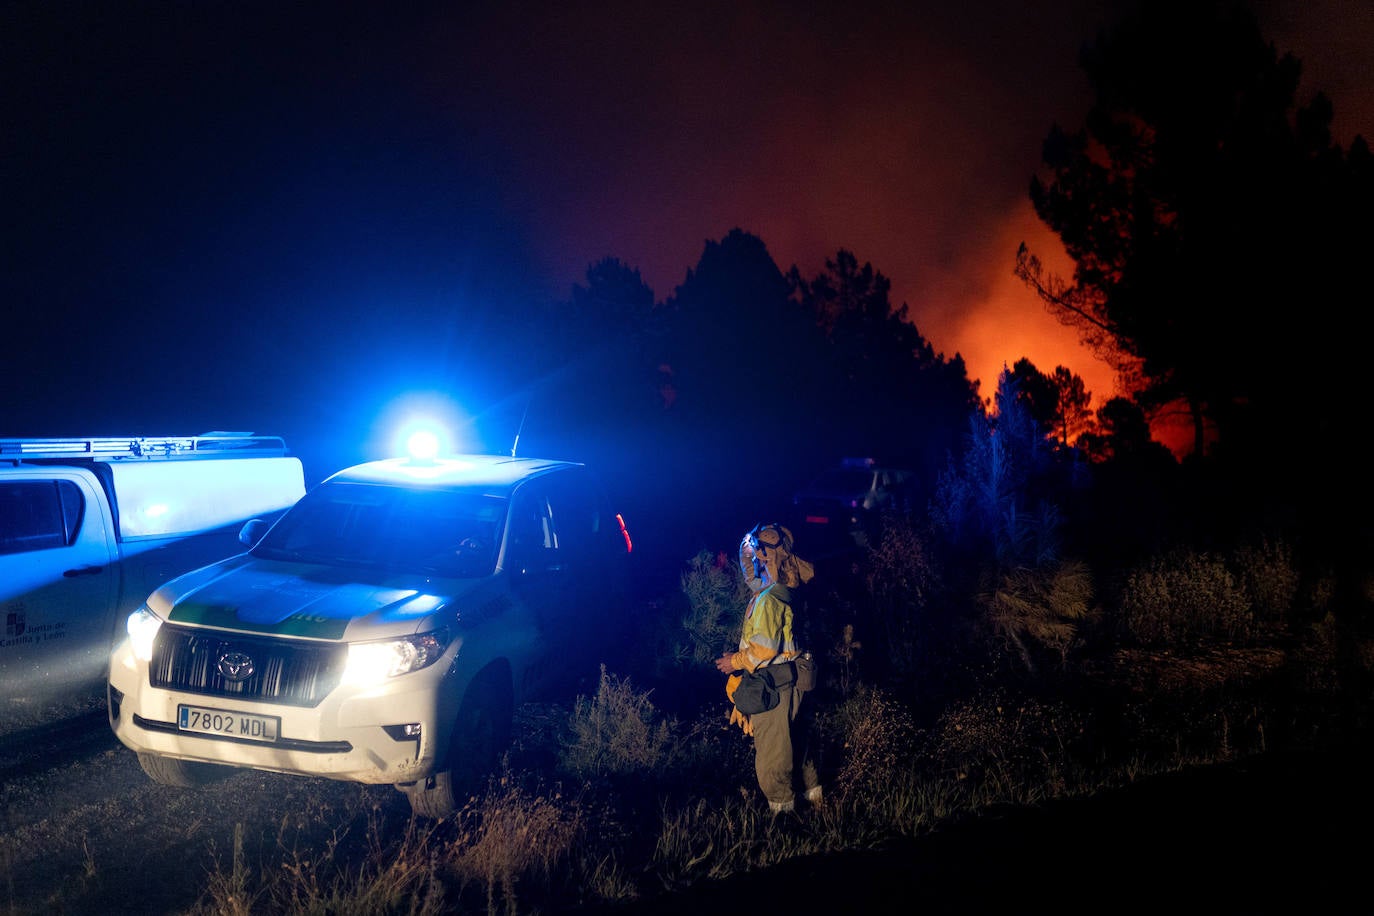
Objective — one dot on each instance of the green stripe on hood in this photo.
(221, 617)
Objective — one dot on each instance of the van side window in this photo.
(39, 514)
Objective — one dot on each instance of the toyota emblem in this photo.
(236, 666)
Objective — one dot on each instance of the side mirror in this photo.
(252, 531)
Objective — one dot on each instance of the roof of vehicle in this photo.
(145, 448)
(496, 472)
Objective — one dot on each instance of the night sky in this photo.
(284, 217)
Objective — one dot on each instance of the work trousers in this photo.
(781, 750)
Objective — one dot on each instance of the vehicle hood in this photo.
(295, 599)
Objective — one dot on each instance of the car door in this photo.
(554, 536)
(58, 576)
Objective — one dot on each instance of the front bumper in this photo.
(383, 734)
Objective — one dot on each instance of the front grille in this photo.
(289, 672)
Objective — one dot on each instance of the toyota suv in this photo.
(382, 630)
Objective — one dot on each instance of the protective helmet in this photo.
(772, 545)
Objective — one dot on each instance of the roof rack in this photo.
(213, 445)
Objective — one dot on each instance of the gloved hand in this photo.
(737, 717)
(740, 719)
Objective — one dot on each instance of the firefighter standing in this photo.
(768, 642)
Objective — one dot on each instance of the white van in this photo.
(381, 631)
(89, 527)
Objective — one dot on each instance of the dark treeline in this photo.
(1215, 229)
(720, 401)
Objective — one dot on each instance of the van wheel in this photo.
(186, 774)
(480, 735)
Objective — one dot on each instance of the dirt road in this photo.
(85, 831)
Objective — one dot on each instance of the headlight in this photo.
(142, 627)
(374, 662)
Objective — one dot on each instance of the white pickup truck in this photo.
(382, 631)
(90, 527)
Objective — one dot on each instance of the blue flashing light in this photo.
(423, 427)
(423, 445)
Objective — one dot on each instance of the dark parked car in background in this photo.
(842, 507)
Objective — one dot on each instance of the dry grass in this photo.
(528, 846)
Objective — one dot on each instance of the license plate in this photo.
(227, 724)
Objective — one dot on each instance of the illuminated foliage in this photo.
(1041, 609)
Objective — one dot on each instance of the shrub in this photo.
(1267, 574)
(716, 594)
(1319, 653)
(1041, 608)
(1009, 748)
(877, 736)
(1184, 596)
(615, 732)
(900, 577)
(510, 837)
(845, 654)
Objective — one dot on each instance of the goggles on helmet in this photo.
(752, 539)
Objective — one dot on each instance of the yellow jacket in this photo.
(766, 639)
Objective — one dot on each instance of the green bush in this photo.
(1182, 597)
(716, 595)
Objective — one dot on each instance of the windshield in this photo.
(431, 532)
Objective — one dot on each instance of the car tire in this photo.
(185, 774)
(481, 734)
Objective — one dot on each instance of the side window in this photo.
(39, 514)
(572, 507)
(555, 521)
(532, 539)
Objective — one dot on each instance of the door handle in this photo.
(83, 571)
